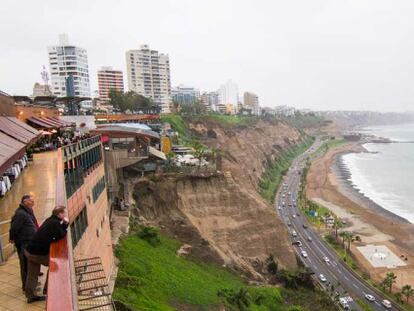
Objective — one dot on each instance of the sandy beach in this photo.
(327, 185)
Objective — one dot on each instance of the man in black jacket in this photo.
(22, 229)
(37, 252)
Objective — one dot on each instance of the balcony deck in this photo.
(39, 179)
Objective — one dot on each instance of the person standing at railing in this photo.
(37, 252)
(22, 229)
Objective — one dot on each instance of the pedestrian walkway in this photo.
(38, 179)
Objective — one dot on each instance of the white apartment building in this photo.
(229, 97)
(149, 75)
(68, 60)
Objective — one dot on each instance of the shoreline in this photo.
(345, 186)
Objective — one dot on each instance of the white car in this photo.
(387, 304)
(344, 303)
(294, 216)
(369, 297)
(279, 207)
(322, 278)
(294, 234)
(326, 259)
(304, 254)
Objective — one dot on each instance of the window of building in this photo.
(78, 227)
(98, 189)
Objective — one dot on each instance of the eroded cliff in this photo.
(222, 215)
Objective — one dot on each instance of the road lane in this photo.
(337, 274)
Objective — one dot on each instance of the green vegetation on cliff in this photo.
(152, 277)
(272, 177)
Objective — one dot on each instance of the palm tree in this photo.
(199, 153)
(170, 156)
(407, 291)
(350, 236)
(337, 225)
(391, 279)
(342, 234)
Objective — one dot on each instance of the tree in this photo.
(236, 300)
(272, 265)
(350, 237)
(129, 101)
(337, 225)
(342, 234)
(116, 99)
(170, 156)
(407, 291)
(391, 279)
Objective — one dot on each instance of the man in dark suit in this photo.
(22, 229)
(37, 252)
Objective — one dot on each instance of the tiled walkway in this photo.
(37, 179)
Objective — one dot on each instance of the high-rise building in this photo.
(229, 96)
(67, 61)
(185, 95)
(210, 100)
(149, 75)
(251, 102)
(108, 79)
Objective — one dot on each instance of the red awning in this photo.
(11, 150)
(46, 121)
(52, 121)
(62, 122)
(40, 123)
(24, 125)
(16, 130)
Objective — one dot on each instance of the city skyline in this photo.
(319, 55)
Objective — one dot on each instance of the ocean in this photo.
(386, 176)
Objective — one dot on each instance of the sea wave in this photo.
(362, 183)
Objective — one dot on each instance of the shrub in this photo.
(150, 235)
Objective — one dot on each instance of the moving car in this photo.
(326, 259)
(309, 239)
(387, 304)
(322, 278)
(294, 234)
(294, 216)
(369, 297)
(305, 226)
(279, 207)
(304, 254)
(298, 243)
(289, 223)
(344, 304)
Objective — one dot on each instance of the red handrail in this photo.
(61, 293)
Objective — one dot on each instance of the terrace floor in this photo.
(38, 179)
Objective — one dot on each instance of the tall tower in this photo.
(66, 61)
(149, 75)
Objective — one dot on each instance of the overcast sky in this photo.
(316, 54)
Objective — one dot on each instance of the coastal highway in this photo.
(321, 259)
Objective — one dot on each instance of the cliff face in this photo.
(224, 212)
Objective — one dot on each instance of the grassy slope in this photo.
(273, 175)
(154, 278)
